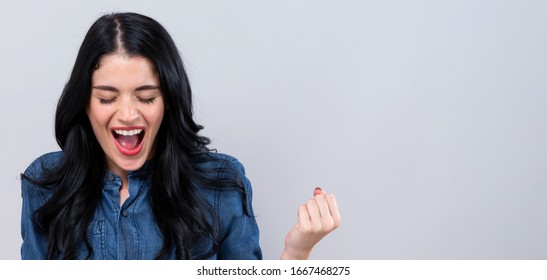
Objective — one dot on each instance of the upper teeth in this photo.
(128, 132)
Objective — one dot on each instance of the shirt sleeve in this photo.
(239, 228)
(34, 246)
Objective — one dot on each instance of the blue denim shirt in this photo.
(130, 231)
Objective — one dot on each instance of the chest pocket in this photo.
(96, 234)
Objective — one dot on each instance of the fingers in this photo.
(322, 212)
(322, 205)
(313, 210)
(333, 207)
(329, 206)
(303, 217)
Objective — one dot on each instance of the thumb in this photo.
(318, 191)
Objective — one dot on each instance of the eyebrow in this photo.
(147, 87)
(113, 89)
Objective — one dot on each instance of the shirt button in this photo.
(110, 177)
(125, 213)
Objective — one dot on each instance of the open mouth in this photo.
(128, 141)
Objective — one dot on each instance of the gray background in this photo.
(427, 119)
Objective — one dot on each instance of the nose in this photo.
(128, 113)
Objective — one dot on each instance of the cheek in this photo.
(155, 120)
(159, 117)
(158, 114)
(98, 117)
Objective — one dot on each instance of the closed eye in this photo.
(106, 101)
(147, 100)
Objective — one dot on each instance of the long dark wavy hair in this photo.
(181, 214)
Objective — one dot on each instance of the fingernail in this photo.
(318, 191)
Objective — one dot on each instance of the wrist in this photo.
(292, 254)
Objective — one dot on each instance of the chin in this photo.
(133, 165)
(120, 164)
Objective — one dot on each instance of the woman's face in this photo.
(125, 110)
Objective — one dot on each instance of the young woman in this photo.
(134, 179)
